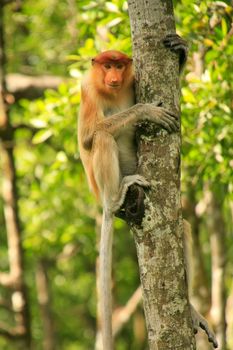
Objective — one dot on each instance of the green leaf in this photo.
(38, 123)
(224, 26)
(41, 136)
(188, 96)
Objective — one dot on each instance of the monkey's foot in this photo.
(175, 43)
(125, 184)
(200, 321)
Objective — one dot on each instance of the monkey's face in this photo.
(113, 75)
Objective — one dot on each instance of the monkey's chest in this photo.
(127, 152)
(109, 111)
(114, 108)
(125, 142)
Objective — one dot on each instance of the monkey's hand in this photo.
(160, 116)
(178, 45)
(200, 321)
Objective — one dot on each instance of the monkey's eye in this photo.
(119, 66)
(107, 66)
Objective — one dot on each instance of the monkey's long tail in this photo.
(106, 279)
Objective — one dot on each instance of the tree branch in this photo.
(25, 86)
(122, 315)
(9, 280)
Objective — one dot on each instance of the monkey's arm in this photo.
(87, 120)
(118, 123)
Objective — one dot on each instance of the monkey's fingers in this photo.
(176, 41)
(178, 45)
(174, 123)
(166, 119)
(158, 110)
(169, 113)
(172, 39)
(168, 124)
(180, 48)
(171, 118)
(135, 179)
(175, 47)
(200, 321)
(162, 117)
(164, 122)
(211, 337)
(141, 181)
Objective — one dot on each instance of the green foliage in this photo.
(207, 95)
(57, 211)
(44, 37)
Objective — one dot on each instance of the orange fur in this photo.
(102, 90)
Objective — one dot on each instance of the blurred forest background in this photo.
(49, 223)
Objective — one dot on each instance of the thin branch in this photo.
(9, 280)
(122, 316)
(25, 86)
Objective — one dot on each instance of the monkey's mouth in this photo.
(113, 86)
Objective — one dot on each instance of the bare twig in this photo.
(122, 315)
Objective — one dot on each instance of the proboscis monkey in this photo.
(106, 129)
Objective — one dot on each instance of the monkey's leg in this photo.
(200, 321)
(105, 158)
(108, 175)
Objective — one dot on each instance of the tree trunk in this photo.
(159, 240)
